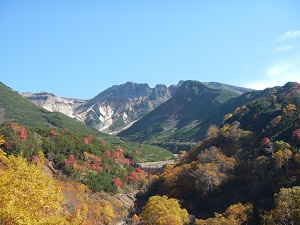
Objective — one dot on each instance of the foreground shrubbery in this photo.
(54, 176)
(94, 162)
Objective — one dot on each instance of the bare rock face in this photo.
(53, 103)
(121, 105)
(112, 110)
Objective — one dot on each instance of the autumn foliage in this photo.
(287, 207)
(20, 131)
(244, 171)
(234, 215)
(137, 178)
(28, 196)
(163, 211)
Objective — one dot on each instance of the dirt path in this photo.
(155, 167)
(128, 199)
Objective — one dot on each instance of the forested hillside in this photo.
(247, 170)
(73, 175)
(55, 170)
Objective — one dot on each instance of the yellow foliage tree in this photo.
(287, 210)
(169, 219)
(170, 178)
(234, 215)
(101, 212)
(226, 117)
(27, 194)
(79, 215)
(163, 210)
(289, 109)
(212, 131)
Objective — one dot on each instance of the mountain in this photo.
(13, 107)
(186, 116)
(274, 113)
(113, 109)
(119, 106)
(249, 164)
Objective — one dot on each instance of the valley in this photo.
(237, 155)
(150, 112)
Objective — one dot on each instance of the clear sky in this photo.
(78, 48)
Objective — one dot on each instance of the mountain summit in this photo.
(186, 116)
(121, 105)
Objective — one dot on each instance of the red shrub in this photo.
(53, 134)
(107, 153)
(296, 135)
(117, 182)
(71, 161)
(23, 133)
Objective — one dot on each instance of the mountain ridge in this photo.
(117, 107)
(112, 109)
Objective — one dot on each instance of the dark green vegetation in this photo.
(14, 107)
(250, 157)
(184, 118)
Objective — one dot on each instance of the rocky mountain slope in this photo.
(113, 109)
(186, 117)
(121, 105)
(118, 107)
(54, 103)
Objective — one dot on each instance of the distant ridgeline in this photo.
(117, 108)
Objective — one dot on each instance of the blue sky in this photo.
(79, 48)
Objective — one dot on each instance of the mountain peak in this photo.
(119, 106)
